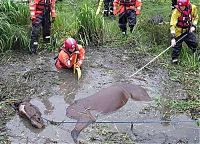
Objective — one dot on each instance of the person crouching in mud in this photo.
(71, 55)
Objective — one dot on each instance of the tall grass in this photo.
(77, 19)
(90, 25)
(65, 23)
(14, 20)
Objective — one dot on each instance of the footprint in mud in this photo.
(105, 101)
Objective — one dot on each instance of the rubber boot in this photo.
(131, 30)
(33, 47)
(47, 39)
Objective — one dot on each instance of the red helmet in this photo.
(70, 44)
(183, 2)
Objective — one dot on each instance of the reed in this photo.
(14, 21)
(90, 25)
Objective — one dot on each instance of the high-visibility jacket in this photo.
(180, 22)
(119, 6)
(67, 60)
(37, 7)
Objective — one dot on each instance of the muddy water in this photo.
(53, 92)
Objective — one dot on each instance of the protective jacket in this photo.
(38, 6)
(182, 20)
(67, 59)
(120, 6)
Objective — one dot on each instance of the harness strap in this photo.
(185, 20)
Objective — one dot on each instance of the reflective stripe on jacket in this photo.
(67, 60)
(120, 7)
(176, 14)
(36, 7)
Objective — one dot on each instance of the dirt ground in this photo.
(35, 76)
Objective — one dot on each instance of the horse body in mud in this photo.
(31, 112)
(105, 101)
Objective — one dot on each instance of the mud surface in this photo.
(52, 92)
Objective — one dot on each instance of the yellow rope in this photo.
(74, 68)
(99, 7)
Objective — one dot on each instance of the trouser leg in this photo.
(36, 24)
(46, 26)
(191, 41)
(131, 19)
(106, 7)
(111, 7)
(123, 22)
(176, 50)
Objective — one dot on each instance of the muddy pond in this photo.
(52, 92)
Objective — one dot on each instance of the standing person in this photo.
(108, 7)
(183, 21)
(127, 9)
(71, 55)
(42, 14)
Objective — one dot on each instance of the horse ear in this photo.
(16, 104)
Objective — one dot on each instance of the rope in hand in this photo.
(157, 56)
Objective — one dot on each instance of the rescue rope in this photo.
(157, 56)
(75, 62)
(125, 122)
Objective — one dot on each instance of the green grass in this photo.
(89, 25)
(189, 106)
(13, 25)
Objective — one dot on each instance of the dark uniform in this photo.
(108, 7)
(41, 13)
(174, 4)
(127, 13)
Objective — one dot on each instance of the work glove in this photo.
(173, 42)
(192, 28)
(53, 19)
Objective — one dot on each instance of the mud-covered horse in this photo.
(105, 101)
(30, 112)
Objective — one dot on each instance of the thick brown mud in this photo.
(52, 92)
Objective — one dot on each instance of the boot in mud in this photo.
(47, 39)
(33, 47)
(124, 33)
(131, 30)
(174, 61)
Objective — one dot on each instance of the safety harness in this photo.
(43, 4)
(185, 20)
(66, 51)
(127, 2)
